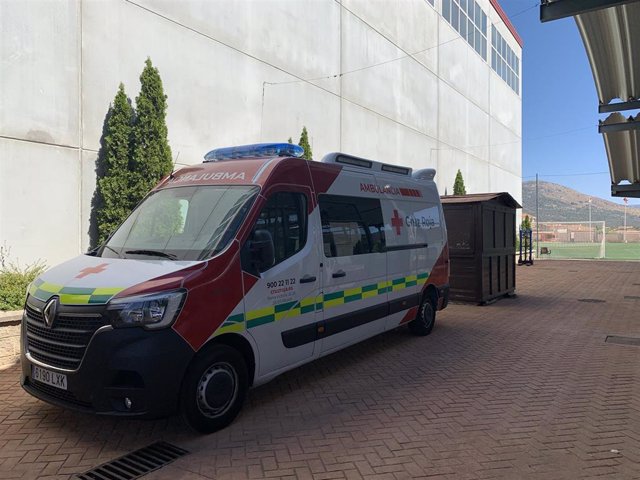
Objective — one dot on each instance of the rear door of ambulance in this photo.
(354, 262)
(280, 301)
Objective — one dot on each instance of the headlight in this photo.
(157, 310)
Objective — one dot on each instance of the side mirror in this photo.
(262, 250)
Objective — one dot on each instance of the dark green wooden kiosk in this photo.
(481, 230)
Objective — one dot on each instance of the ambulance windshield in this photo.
(182, 223)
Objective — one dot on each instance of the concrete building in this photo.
(424, 83)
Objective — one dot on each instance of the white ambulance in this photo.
(230, 273)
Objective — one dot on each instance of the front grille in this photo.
(54, 392)
(64, 344)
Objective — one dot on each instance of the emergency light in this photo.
(256, 150)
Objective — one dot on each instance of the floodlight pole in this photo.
(624, 233)
(590, 231)
(537, 222)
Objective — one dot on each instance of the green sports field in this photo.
(613, 251)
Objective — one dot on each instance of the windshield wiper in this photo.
(154, 253)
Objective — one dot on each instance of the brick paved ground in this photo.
(524, 388)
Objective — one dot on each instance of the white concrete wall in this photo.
(240, 72)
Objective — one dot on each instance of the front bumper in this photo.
(147, 367)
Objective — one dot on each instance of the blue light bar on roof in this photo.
(256, 150)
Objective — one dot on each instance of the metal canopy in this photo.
(610, 31)
(557, 9)
(622, 141)
(612, 40)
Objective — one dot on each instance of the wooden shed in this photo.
(481, 230)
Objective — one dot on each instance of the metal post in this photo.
(537, 222)
(520, 249)
(624, 233)
(590, 231)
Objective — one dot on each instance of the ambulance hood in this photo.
(87, 280)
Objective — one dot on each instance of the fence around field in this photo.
(613, 251)
(585, 240)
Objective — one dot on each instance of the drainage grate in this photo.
(622, 340)
(632, 297)
(135, 464)
(591, 300)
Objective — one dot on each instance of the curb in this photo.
(10, 318)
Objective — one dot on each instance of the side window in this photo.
(351, 225)
(283, 224)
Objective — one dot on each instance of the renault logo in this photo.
(49, 311)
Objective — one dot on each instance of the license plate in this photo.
(54, 379)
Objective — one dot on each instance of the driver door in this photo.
(280, 306)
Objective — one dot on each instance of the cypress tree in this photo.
(151, 155)
(304, 143)
(113, 187)
(290, 141)
(458, 185)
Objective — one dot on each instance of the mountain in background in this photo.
(563, 204)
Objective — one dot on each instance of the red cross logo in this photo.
(89, 270)
(396, 221)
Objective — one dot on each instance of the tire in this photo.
(426, 318)
(214, 389)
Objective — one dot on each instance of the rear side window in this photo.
(284, 217)
(351, 225)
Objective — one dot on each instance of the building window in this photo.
(470, 21)
(504, 61)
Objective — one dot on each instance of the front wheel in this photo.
(214, 389)
(426, 318)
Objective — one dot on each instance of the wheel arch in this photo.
(430, 291)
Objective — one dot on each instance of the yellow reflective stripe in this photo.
(107, 291)
(317, 302)
(369, 294)
(262, 312)
(352, 291)
(70, 299)
(307, 302)
(334, 302)
(235, 328)
(50, 287)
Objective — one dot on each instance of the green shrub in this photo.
(13, 286)
(304, 143)
(15, 279)
(458, 185)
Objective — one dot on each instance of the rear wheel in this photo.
(426, 318)
(214, 389)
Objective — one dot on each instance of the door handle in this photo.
(339, 273)
(308, 279)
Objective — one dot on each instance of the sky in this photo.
(560, 139)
